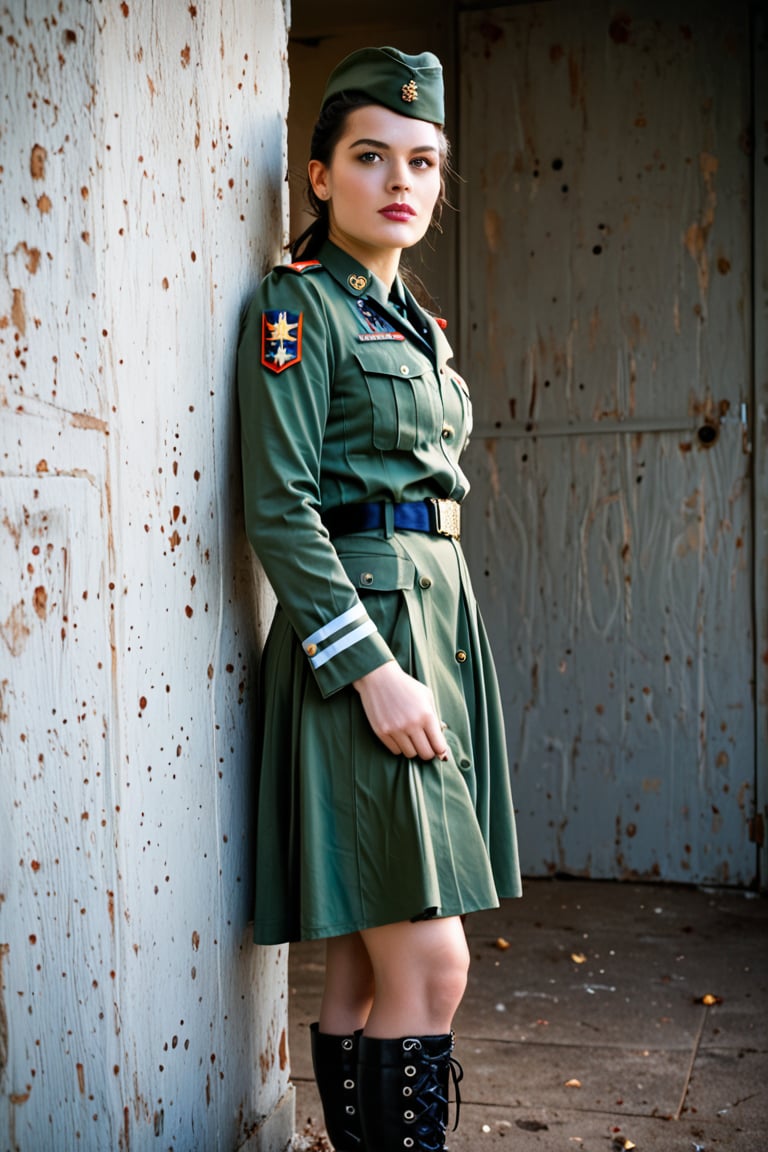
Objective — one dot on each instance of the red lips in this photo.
(398, 211)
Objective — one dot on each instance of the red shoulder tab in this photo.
(441, 322)
(302, 265)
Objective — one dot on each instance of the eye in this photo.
(422, 162)
(369, 157)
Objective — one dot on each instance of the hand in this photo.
(401, 711)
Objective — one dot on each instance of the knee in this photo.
(446, 979)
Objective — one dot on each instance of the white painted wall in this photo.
(142, 161)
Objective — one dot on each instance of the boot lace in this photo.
(426, 1106)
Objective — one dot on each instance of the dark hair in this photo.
(327, 133)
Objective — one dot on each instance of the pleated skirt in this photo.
(350, 836)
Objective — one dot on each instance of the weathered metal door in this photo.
(607, 329)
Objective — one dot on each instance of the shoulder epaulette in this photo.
(300, 266)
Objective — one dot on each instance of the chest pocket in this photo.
(403, 395)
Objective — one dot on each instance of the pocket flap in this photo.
(379, 573)
(390, 359)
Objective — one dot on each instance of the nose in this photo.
(400, 176)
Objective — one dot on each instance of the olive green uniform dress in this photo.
(346, 398)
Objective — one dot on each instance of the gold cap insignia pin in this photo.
(410, 91)
(357, 282)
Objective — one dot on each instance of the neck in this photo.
(383, 262)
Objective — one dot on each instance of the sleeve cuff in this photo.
(348, 663)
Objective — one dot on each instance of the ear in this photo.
(318, 178)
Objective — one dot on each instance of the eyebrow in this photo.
(383, 145)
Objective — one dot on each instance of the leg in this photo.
(405, 1054)
(347, 998)
(420, 974)
(348, 990)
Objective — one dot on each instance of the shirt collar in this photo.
(354, 276)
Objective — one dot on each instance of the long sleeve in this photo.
(285, 373)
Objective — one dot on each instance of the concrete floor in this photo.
(588, 1033)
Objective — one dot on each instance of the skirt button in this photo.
(461, 656)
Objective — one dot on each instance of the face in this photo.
(381, 185)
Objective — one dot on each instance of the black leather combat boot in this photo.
(334, 1059)
(403, 1092)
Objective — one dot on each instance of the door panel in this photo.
(606, 276)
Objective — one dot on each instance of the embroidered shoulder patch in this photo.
(280, 339)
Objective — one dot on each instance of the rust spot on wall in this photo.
(15, 631)
(44, 204)
(283, 1051)
(185, 54)
(18, 315)
(620, 28)
(91, 423)
(4, 950)
(32, 261)
(491, 33)
(37, 162)
(40, 602)
(195, 941)
(266, 1062)
(124, 9)
(80, 1078)
(697, 233)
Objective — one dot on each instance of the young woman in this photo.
(384, 808)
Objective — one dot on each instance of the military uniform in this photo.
(347, 402)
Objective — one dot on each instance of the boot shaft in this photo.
(403, 1092)
(334, 1059)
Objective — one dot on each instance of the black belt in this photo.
(441, 517)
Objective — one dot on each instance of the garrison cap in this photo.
(410, 85)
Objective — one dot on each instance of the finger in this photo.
(433, 731)
(389, 743)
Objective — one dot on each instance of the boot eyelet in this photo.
(408, 1142)
(407, 1091)
(409, 1070)
(408, 1115)
(350, 1111)
(349, 1083)
(347, 1044)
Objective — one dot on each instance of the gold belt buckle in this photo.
(448, 517)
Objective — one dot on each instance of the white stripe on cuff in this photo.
(353, 613)
(345, 642)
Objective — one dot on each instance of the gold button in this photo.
(448, 432)
(425, 582)
(366, 578)
(404, 369)
(461, 656)
(311, 649)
